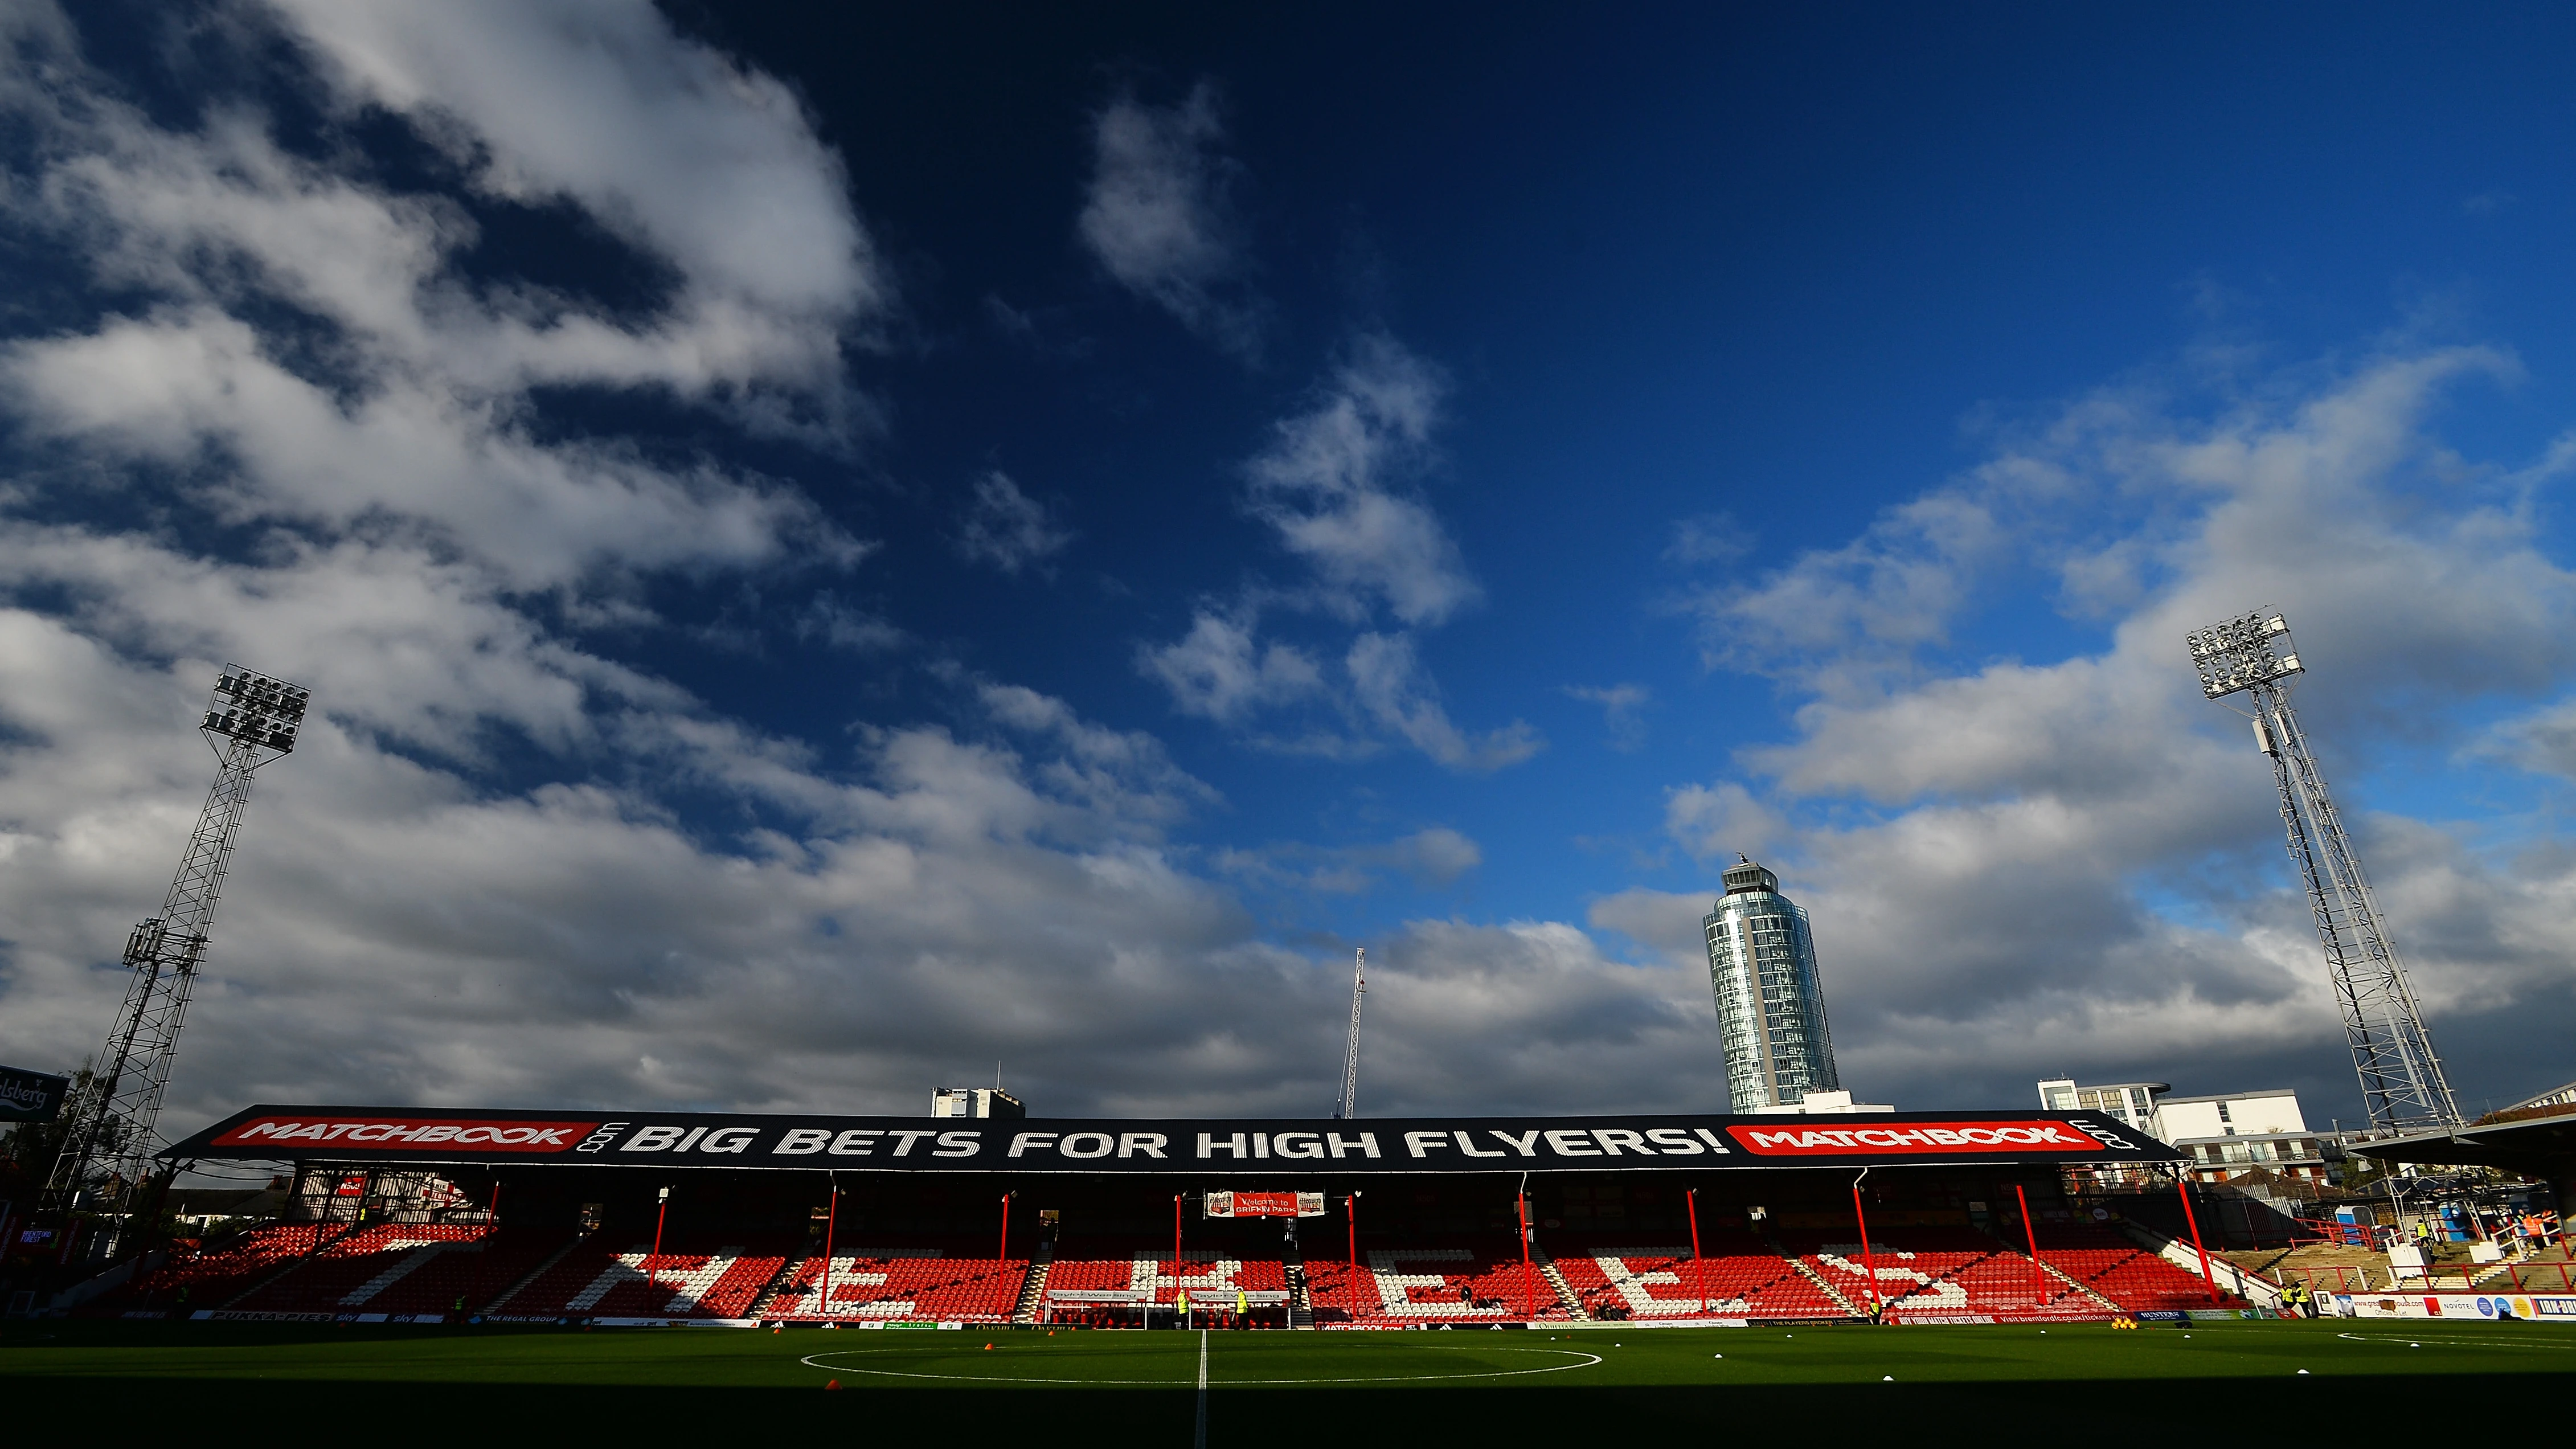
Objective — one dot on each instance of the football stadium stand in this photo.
(652, 1217)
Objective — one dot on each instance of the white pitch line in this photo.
(2457, 1342)
(1582, 1361)
(1198, 1440)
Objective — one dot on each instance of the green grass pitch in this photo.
(2078, 1383)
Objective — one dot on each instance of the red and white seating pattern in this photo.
(2136, 1280)
(592, 1282)
(901, 1283)
(213, 1275)
(1433, 1285)
(381, 1268)
(1214, 1280)
(1743, 1278)
(1943, 1272)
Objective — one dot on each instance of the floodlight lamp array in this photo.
(248, 705)
(2243, 652)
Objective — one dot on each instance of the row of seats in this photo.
(1735, 1274)
(1471, 1282)
(206, 1277)
(2138, 1281)
(902, 1283)
(429, 1268)
(597, 1280)
(406, 1268)
(1933, 1271)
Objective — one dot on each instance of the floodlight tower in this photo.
(1348, 1105)
(251, 720)
(2401, 1079)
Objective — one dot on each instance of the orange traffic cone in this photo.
(834, 1384)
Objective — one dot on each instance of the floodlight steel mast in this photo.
(2401, 1078)
(250, 720)
(1349, 1104)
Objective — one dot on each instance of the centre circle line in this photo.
(1583, 1360)
(2456, 1342)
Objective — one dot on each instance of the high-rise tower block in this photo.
(1770, 1001)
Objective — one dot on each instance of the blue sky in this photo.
(838, 547)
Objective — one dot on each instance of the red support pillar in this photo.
(1176, 1261)
(1699, 1266)
(1004, 1253)
(653, 1264)
(2030, 1235)
(1351, 1212)
(1529, 1275)
(831, 1218)
(1868, 1254)
(2192, 1220)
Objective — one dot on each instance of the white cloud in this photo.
(1713, 822)
(1158, 215)
(1430, 859)
(1008, 529)
(678, 148)
(1389, 683)
(1333, 483)
(844, 625)
(1622, 711)
(1218, 671)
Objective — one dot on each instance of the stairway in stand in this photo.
(1555, 1277)
(533, 1274)
(1033, 1287)
(1301, 1309)
(1812, 1276)
(779, 1282)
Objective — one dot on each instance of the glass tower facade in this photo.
(1770, 1003)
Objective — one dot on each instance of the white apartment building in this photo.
(2225, 1134)
(2131, 1102)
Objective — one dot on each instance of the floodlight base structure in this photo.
(2402, 1082)
(106, 1156)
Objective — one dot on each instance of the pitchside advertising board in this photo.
(1339, 1148)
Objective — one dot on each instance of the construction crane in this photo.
(1348, 1106)
(2402, 1083)
(109, 1142)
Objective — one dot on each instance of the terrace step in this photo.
(1301, 1308)
(1565, 1293)
(1033, 1288)
(319, 1243)
(533, 1274)
(788, 1267)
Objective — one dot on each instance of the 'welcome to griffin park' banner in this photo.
(1338, 1148)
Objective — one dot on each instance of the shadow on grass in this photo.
(2081, 1412)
